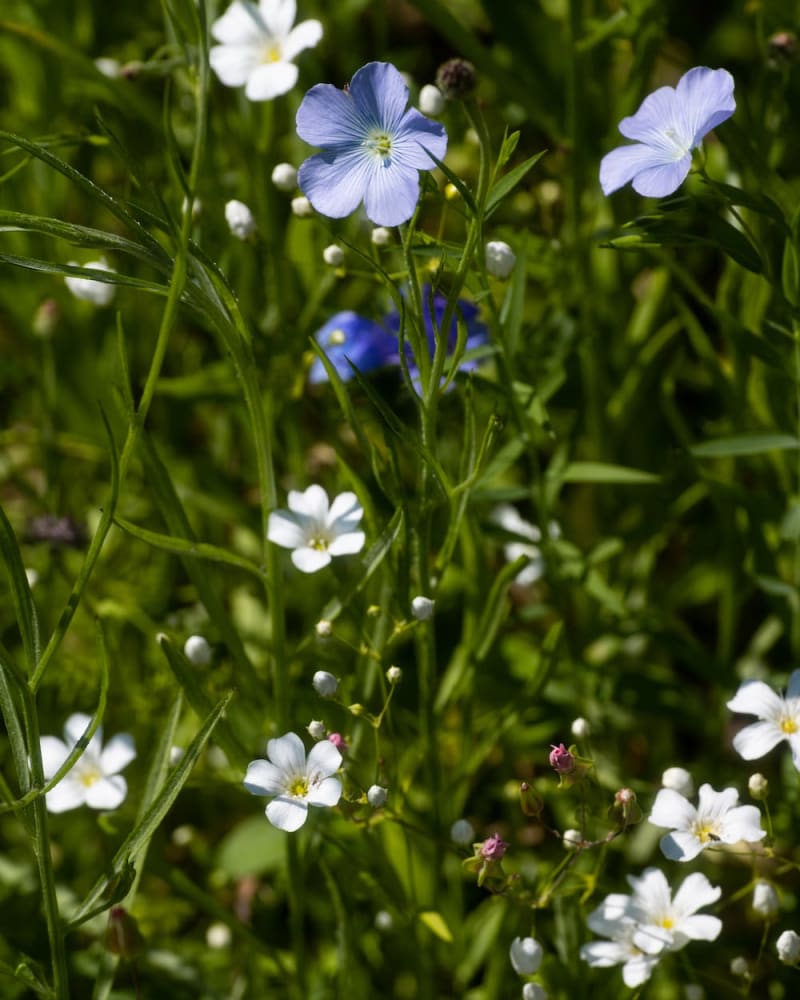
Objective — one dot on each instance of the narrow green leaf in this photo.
(601, 472)
(745, 444)
(509, 181)
(436, 924)
(24, 608)
(457, 183)
(152, 819)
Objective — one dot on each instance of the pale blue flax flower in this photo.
(669, 124)
(373, 146)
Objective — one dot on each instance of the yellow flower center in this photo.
(705, 833)
(788, 726)
(318, 544)
(272, 53)
(667, 923)
(299, 786)
(90, 776)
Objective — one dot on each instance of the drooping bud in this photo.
(376, 796)
(316, 729)
(325, 684)
(240, 220)
(788, 947)
(500, 259)
(422, 608)
(758, 786)
(526, 955)
(765, 899)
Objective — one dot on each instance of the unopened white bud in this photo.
(384, 920)
(758, 786)
(462, 832)
(381, 236)
(99, 293)
(393, 675)
(500, 259)
(325, 684)
(679, 780)
(788, 947)
(333, 255)
(218, 935)
(376, 796)
(765, 899)
(739, 966)
(526, 955)
(422, 608)
(580, 728)
(533, 991)
(240, 220)
(175, 754)
(571, 839)
(324, 628)
(197, 650)
(112, 68)
(301, 207)
(316, 730)
(284, 176)
(431, 100)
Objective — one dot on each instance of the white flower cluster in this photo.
(643, 927)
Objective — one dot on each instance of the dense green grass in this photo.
(640, 390)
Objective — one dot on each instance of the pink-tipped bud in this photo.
(338, 741)
(529, 799)
(493, 848)
(561, 760)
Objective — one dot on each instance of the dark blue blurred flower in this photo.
(370, 345)
(350, 336)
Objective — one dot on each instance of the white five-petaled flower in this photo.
(316, 529)
(649, 922)
(257, 45)
(99, 293)
(94, 779)
(294, 781)
(779, 718)
(717, 819)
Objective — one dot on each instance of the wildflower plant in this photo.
(404, 457)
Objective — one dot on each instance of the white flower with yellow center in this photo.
(294, 782)
(316, 529)
(716, 820)
(779, 718)
(94, 779)
(257, 45)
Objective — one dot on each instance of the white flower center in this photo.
(678, 144)
(379, 143)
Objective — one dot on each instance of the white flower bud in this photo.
(394, 675)
(240, 220)
(316, 730)
(218, 935)
(758, 786)
(526, 955)
(284, 176)
(197, 650)
(111, 68)
(99, 293)
(571, 839)
(324, 628)
(788, 947)
(384, 920)
(301, 207)
(31, 576)
(376, 796)
(325, 684)
(679, 780)
(739, 966)
(765, 899)
(462, 832)
(381, 236)
(580, 728)
(431, 100)
(500, 259)
(533, 991)
(175, 754)
(422, 608)
(333, 255)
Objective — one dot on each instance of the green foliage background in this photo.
(648, 406)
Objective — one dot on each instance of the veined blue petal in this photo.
(392, 193)
(706, 100)
(416, 135)
(625, 163)
(657, 113)
(327, 117)
(380, 94)
(350, 337)
(335, 181)
(659, 181)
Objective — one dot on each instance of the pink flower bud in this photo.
(561, 760)
(493, 847)
(338, 741)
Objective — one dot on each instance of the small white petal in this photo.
(263, 778)
(757, 698)
(283, 530)
(758, 739)
(680, 846)
(54, 752)
(287, 814)
(313, 502)
(107, 793)
(326, 793)
(305, 35)
(117, 754)
(347, 544)
(309, 560)
(270, 80)
(288, 753)
(68, 794)
(323, 760)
